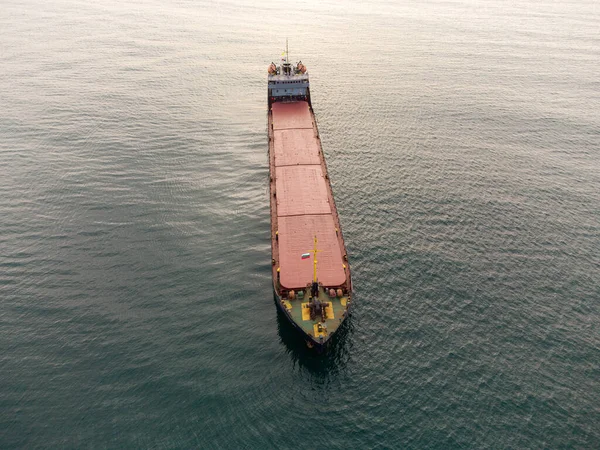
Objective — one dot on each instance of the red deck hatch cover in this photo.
(296, 236)
(291, 115)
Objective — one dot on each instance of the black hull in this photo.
(310, 341)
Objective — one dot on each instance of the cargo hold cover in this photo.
(296, 236)
(302, 197)
(301, 190)
(291, 115)
(295, 146)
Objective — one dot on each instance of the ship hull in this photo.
(305, 206)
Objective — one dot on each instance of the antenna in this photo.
(287, 57)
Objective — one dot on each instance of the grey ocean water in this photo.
(463, 142)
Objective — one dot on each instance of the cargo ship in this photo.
(311, 274)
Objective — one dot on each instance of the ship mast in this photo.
(315, 261)
(314, 289)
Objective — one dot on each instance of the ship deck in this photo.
(300, 314)
(302, 201)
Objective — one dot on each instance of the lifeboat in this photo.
(301, 68)
(272, 69)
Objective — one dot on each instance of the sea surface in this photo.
(136, 303)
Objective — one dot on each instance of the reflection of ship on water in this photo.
(316, 300)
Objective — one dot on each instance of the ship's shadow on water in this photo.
(330, 360)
